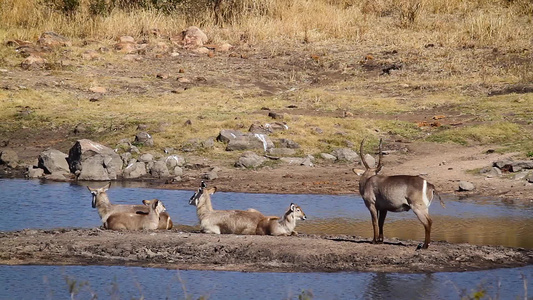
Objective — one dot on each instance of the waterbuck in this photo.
(223, 221)
(105, 208)
(394, 193)
(281, 226)
(136, 221)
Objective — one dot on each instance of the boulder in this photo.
(227, 135)
(93, 161)
(250, 142)
(52, 39)
(346, 154)
(135, 170)
(146, 158)
(174, 160)
(281, 151)
(144, 138)
(286, 143)
(370, 160)
(249, 159)
(327, 156)
(35, 172)
(490, 172)
(53, 161)
(159, 169)
(308, 161)
(9, 158)
(33, 62)
(466, 186)
(177, 171)
(193, 37)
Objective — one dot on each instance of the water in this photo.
(50, 282)
(34, 204)
(481, 221)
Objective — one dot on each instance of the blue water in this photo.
(35, 204)
(50, 282)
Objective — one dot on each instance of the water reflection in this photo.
(51, 282)
(482, 221)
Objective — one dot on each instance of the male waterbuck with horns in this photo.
(394, 193)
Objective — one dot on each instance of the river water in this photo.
(35, 204)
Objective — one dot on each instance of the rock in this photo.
(174, 160)
(327, 156)
(276, 126)
(490, 172)
(80, 129)
(308, 161)
(292, 160)
(250, 142)
(286, 143)
(275, 116)
(53, 161)
(126, 47)
(9, 158)
(529, 177)
(144, 138)
(33, 62)
(259, 128)
(281, 151)
(146, 157)
(249, 159)
(212, 174)
(35, 172)
(126, 39)
(159, 169)
(519, 165)
(57, 177)
(345, 154)
(465, 186)
(126, 158)
(192, 145)
(177, 171)
(135, 170)
(521, 175)
(224, 47)
(52, 39)
(90, 55)
(193, 37)
(370, 160)
(93, 161)
(226, 135)
(502, 163)
(201, 50)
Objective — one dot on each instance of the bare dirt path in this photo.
(305, 253)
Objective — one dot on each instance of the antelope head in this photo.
(371, 171)
(195, 199)
(297, 212)
(98, 191)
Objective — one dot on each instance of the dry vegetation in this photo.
(324, 56)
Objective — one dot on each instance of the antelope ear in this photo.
(214, 190)
(378, 170)
(293, 207)
(358, 172)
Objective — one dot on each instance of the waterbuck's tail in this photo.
(440, 199)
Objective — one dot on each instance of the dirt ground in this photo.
(183, 249)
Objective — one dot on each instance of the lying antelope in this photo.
(136, 221)
(105, 208)
(394, 193)
(164, 218)
(223, 221)
(281, 226)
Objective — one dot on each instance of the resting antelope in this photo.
(164, 218)
(222, 221)
(395, 193)
(105, 208)
(281, 226)
(136, 221)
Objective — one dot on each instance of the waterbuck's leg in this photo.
(382, 214)
(374, 215)
(423, 216)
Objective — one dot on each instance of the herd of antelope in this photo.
(380, 193)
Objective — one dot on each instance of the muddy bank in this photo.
(183, 248)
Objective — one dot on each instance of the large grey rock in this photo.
(146, 157)
(370, 160)
(93, 161)
(250, 142)
(178, 171)
(466, 186)
(135, 170)
(502, 163)
(346, 154)
(249, 160)
(227, 135)
(53, 161)
(293, 160)
(490, 172)
(144, 138)
(308, 161)
(9, 158)
(159, 169)
(327, 156)
(94, 169)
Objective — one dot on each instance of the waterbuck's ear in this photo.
(293, 207)
(378, 170)
(358, 172)
(214, 190)
(107, 186)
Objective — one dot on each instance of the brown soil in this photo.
(187, 250)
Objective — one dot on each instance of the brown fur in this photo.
(223, 221)
(136, 221)
(281, 226)
(394, 193)
(164, 218)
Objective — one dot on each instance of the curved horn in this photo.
(362, 156)
(380, 165)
